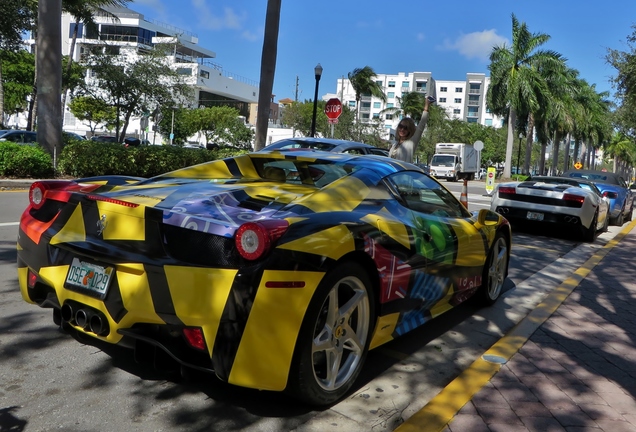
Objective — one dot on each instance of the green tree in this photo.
(92, 110)
(18, 74)
(363, 82)
(16, 17)
(410, 104)
(268, 69)
(624, 82)
(132, 85)
(220, 126)
(517, 84)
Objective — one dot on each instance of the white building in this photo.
(464, 100)
(131, 31)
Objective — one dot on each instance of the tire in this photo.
(589, 234)
(618, 221)
(495, 272)
(334, 340)
(629, 216)
(606, 224)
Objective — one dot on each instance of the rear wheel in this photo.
(334, 338)
(495, 271)
(589, 234)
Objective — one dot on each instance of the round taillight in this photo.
(36, 194)
(252, 240)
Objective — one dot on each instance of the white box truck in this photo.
(454, 161)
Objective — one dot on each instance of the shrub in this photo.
(25, 161)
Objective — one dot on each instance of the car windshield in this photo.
(316, 145)
(443, 160)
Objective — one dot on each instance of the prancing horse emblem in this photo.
(101, 225)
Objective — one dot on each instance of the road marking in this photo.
(4, 224)
(436, 415)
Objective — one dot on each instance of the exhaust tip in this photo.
(82, 318)
(66, 313)
(98, 325)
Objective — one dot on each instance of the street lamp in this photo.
(318, 73)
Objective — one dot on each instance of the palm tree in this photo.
(363, 82)
(517, 85)
(268, 68)
(410, 104)
(84, 11)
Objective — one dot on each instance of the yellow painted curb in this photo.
(440, 410)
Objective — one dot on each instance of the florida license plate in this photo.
(535, 216)
(89, 278)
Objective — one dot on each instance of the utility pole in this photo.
(295, 99)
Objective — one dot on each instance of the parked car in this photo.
(301, 260)
(615, 187)
(326, 144)
(135, 142)
(569, 203)
(73, 135)
(19, 136)
(105, 138)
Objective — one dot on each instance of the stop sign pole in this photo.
(333, 109)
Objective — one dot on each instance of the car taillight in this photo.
(507, 190)
(254, 239)
(194, 337)
(576, 200)
(38, 190)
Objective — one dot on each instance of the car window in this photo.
(423, 194)
(30, 137)
(317, 174)
(379, 151)
(355, 151)
(13, 137)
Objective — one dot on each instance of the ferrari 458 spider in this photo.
(274, 271)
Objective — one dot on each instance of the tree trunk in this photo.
(268, 69)
(68, 67)
(529, 143)
(512, 119)
(566, 155)
(1, 99)
(555, 153)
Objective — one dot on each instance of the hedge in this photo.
(89, 158)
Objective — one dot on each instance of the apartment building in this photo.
(125, 30)
(464, 100)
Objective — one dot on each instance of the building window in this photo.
(443, 89)
(420, 86)
(473, 111)
(391, 83)
(184, 71)
(475, 88)
(457, 111)
(458, 100)
(389, 117)
(365, 116)
(204, 74)
(80, 32)
(379, 83)
(352, 104)
(366, 105)
(442, 100)
(459, 90)
(488, 122)
(376, 105)
(406, 84)
(376, 115)
(471, 120)
(389, 105)
(391, 95)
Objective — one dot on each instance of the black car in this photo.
(104, 138)
(18, 136)
(326, 144)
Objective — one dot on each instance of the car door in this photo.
(445, 240)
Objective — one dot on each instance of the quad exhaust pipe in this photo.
(89, 319)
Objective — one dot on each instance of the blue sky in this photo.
(448, 38)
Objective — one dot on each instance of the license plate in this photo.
(535, 216)
(90, 278)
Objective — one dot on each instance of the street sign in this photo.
(479, 145)
(333, 109)
(578, 165)
(490, 180)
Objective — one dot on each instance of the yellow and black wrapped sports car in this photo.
(273, 270)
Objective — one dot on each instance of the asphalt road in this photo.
(51, 381)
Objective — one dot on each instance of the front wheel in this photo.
(334, 338)
(495, 271)
(589, 234)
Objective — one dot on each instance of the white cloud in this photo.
(477, 45)
(227, 19)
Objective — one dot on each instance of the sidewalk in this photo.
(570, 365)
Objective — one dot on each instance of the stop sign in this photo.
(333, 109)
